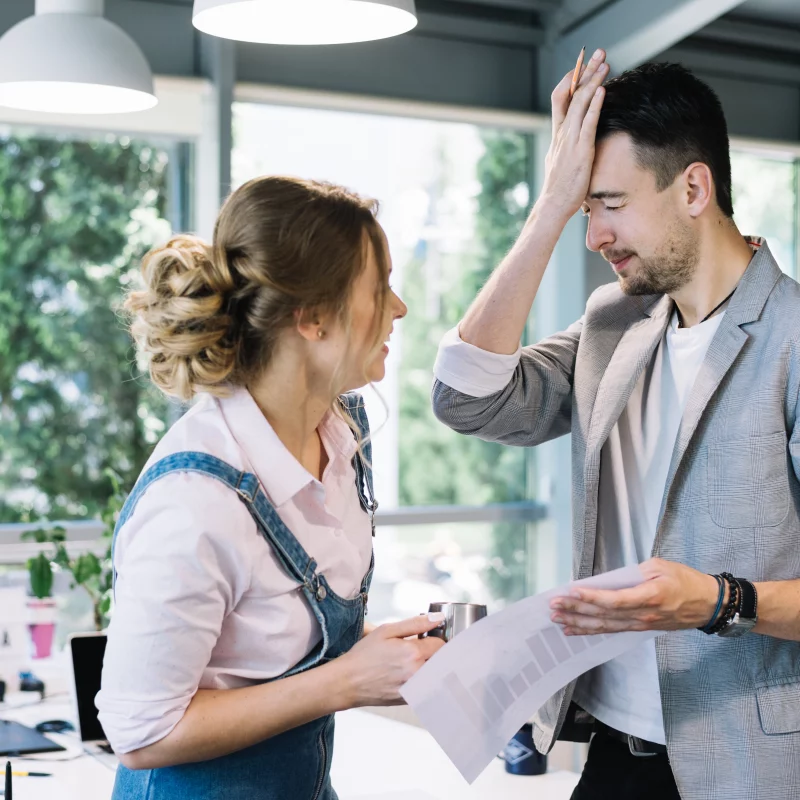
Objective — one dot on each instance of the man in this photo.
(680, 387)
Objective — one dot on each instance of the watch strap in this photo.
(748, 602)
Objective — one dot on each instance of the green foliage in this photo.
(41, 575)
(75, 218)
(93, 574)
(55, 534)
(438, 466)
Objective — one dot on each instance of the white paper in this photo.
(484, 684)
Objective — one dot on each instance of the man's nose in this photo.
(598, 235)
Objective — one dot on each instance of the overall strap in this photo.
(353, 405)
(297, 563)
(295, 560)
(186, 461)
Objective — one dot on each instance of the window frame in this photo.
(788, 151)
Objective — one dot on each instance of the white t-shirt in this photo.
(624, 692)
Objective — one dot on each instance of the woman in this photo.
(244, 553)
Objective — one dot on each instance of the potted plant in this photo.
(88, 571)
(41, 606)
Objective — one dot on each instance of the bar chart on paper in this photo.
(479, 689)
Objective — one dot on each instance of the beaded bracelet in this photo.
(732, 605)
(721, 585)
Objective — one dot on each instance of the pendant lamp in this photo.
(68, 59)
(304, 21)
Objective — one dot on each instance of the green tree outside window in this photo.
(437, 466)
(76, 216)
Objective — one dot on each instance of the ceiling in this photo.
(494, 20)
(772, 11)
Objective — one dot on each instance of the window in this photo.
(765, 189)
(453, 199)
(76, 216)
(77, 213)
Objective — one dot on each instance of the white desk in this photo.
(375, 758)
(381, 759)
(76, 776)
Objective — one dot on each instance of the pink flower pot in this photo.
(42, 625)
(42, 636)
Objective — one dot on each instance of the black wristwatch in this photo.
(746, 616)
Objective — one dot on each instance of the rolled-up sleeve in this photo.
(470, 370)
(181, 568)
(522, 399)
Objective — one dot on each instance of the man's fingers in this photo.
(597, 60)
(590, 121)
(585, 626)
(593, 78)
(559, 100)
(585, 609)
(611, 599)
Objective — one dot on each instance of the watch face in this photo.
(738, 626)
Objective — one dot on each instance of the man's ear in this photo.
(698, 188)
(310, 324)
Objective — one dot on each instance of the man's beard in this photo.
(667, 270)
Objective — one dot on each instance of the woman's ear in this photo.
(310, 324)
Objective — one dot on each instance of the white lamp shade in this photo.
(73, 63)
(304, 21)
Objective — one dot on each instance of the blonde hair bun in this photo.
(180, 318)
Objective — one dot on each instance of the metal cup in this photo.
(457, 617)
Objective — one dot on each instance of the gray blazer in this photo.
(731, 502)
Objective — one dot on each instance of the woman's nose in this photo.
(400, 308)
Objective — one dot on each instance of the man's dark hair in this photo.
(673, 119)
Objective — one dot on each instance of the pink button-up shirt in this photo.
(201, 600)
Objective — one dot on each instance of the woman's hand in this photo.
(375, 669)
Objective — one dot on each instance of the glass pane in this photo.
(765, 203)
(453, 199)
(465, 562)
(77, 216)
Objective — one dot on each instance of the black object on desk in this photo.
(8, 780)
(55, 726)
(521, 755)
(28, 682)
(16, 739)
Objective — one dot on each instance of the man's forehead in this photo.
(616, 172)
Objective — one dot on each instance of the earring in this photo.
(321, 333)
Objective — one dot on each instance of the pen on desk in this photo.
(576, 75)
(32, 774)
(7, 792)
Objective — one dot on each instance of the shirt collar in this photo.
(278, 471)
(755, 242)
(337, 436)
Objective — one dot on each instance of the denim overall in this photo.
(294, 765)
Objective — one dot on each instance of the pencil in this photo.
(33, 774)
(577, 74)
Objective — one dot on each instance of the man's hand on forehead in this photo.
(571, 155)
